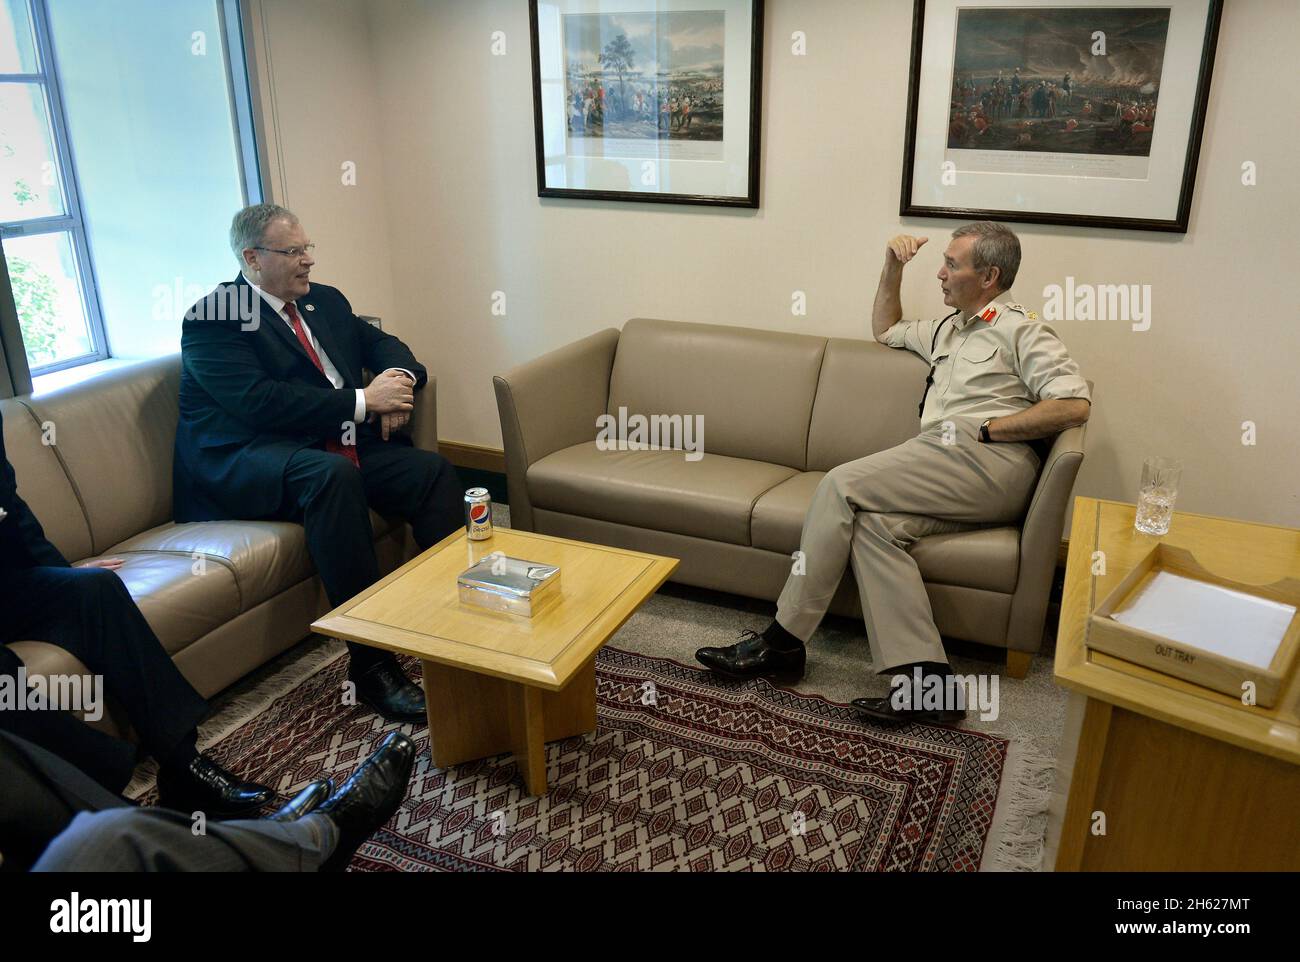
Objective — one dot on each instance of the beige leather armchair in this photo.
(780, 410)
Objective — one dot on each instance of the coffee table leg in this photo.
(469, 714)
(474, 716)
(528, 731)
(572, 709)
(427, 668)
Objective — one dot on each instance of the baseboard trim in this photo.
(474, 456)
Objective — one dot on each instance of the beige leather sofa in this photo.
(779, 411)
(224, 597)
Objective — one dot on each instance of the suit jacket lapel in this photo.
(276, 324)
(324, 334)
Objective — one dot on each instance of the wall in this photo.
(464, 220)
(316, 90)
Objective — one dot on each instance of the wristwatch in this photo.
(984, 432)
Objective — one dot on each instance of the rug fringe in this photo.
(1018, 833)
(238, 711)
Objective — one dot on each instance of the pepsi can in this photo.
(478, 514)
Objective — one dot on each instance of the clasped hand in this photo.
(391, 397)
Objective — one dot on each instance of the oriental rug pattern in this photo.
(683, 773)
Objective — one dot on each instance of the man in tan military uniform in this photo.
(999, 379)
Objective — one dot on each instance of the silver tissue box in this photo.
(513, 585)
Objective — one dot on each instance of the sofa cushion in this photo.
(264, 557)
(709, 498)
(42, 482)
(115, 434)
(752, 389)
(983, 558)
(779, 513)
(179, 605)
(866, 402)
(986, 558)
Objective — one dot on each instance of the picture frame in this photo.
(1084, 113)
(648, 101)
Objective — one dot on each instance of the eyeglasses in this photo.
(297, 253)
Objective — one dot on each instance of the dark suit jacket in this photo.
(251, 399)
(22, 540)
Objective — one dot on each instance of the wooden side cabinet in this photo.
(1167, 775)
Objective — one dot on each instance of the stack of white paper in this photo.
(1229, 623)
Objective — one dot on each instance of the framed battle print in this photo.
(1076, 112)
(648, 100)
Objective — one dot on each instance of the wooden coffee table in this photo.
(498, 682)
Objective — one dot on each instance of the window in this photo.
(126, 146)
(40, 217)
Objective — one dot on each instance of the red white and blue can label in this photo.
(478, 514)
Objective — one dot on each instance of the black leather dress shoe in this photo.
(385, 689)
(305, 802)
(204, 786)
(369, 798)
(751, 657)
(882, 712)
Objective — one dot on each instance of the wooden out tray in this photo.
(1211, 669)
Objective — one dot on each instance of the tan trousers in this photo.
(870, 510)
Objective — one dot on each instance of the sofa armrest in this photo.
(424, 419)
(550, 403)
(1040, 539)
(423, 427)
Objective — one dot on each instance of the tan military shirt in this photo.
(991, 364)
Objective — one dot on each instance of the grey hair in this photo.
(996, 245)
(250, 224)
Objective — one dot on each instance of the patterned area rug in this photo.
(683, 773)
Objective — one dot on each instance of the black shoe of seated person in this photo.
(388, 691)
(902, 708)
(775, 654)
(201, 785)
(305, 802)
(367, 800)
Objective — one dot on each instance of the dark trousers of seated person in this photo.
(89, 613)
(331, 499)
(53, 817)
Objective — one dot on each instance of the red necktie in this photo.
(333, 445)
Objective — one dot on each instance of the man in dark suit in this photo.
(88, 612)
(275, 423)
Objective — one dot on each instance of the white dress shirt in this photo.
(331, 372)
